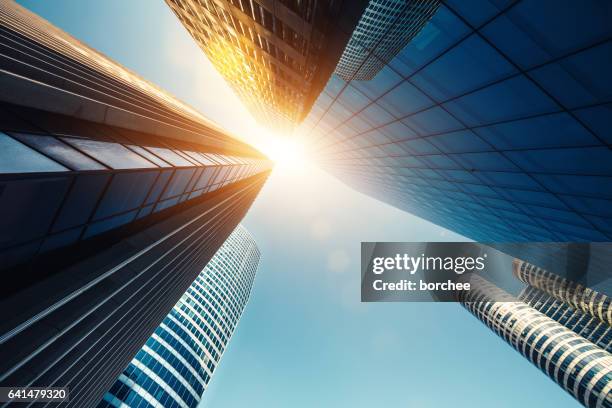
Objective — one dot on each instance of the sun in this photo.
(283, 150)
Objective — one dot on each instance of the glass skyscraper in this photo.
(276, 55)
(177, 362)
(384, 28)
(552, 336)
(493, 121)
(114, 195)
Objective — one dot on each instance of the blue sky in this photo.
(305, 339)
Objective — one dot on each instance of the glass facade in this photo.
(114, 196)
(584, 324)
(493, 121)
(385, 28)
(276, 55)
(549, 341)
(177, 361)
(130, 182)
(595, 304)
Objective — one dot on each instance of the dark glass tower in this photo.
(176, 363)
(276, 55)
(493, 121)
(113, 195)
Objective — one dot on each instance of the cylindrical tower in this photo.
(573, 294)
(176, 363)
(583, 324)
(576, 364)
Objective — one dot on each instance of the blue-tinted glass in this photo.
(432, 121)
(359, 124)
(334, 85)
(576, 232)
(498, 203)
(531, 197)
(529, 39)
(376, 137)
(603, 224)
(587, 161)
(376, 115)
(468, 66)
(398, 131)
(419, 146)
(126, 191)
(404, 99)
(336, 115)
(187, 157)
(149, 156)
(477, 12)
(59, 151)
(205, 178)
(159, 186)
(381, 83)
(439, 162)
(114, 155)
(459, 175)
(323, 101)
(458, 142)
(581, 79)
(145, 211)
(108, 224)
(170, 156)
(514, 98)
(352, 99)
(393, 149)
(488, 161)
(443, 30)
(342, 132)
(194, 179)
(557, 214)
(15, 157)
(556, 130)
(503, 179)
(203, 158)
(81, 201)
(410, 161)
(597, 119)
(178, 183)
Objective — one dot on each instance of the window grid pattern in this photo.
(463, 129)
(385, 28)
(177, 362)
(583, 324)
(268, 52)
(576, 364)
(66, 63)
(104, 185)
(577, 296)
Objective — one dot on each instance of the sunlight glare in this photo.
(285, 151)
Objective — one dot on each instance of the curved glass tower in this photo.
(176, 363)
(578, 365)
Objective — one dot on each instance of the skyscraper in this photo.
(113, 195)
(177, 362)
(579, 366)
(384, 29)
(493, 121)
(276, 55)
